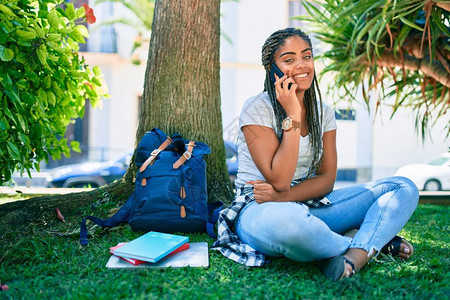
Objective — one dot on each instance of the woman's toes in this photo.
(405, 251)
(348, 270)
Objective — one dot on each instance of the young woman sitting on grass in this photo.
(285, 204)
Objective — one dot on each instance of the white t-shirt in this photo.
(259, 111)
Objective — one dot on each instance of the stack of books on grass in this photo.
(156, 249)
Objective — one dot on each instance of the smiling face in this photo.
(294, 58)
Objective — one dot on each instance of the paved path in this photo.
(12, 191)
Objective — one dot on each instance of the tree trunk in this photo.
(182, 83)
(181, 94)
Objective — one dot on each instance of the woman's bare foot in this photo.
(406, 250)
(358, 257)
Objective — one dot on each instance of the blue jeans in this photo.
(379, 209)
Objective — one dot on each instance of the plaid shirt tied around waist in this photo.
(229, 244)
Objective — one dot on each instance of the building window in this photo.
(345, 114)
(296, 9)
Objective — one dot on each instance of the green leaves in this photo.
(6, 11)
(6, 54)
(75, 146)
(82, 30)
(42, 81)
(53, 19)
(410, 24)
(42, 54)
(70, 11)
(28, 35)
(13, 150)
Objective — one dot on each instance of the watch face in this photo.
(287, 123)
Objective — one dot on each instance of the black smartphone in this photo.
(275, 70)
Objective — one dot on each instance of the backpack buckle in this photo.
(187, 155)
(155, 152)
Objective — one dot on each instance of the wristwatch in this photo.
(288, 123)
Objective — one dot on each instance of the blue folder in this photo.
(152, 246)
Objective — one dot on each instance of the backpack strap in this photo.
(213, 212)
(186, 155)
(121, 216)
(152, 157)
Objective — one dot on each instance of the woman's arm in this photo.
(317, 186)
(277, 161)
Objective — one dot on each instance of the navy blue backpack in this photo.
(170, 189)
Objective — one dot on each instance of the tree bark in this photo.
(181, 94)
(182, 82)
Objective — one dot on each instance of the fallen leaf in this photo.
(60, 216)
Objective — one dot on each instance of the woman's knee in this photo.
(408, 187)
(410, 192)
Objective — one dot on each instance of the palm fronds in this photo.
(400, 47)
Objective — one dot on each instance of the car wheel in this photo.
(432, 185)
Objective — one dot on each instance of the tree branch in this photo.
(445, 6)
(434, 70)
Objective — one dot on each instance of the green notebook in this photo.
(151, 246)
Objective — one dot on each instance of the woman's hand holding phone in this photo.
(285, 89)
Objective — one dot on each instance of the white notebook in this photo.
(196, 256)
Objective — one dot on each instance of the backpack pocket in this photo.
(168, 201)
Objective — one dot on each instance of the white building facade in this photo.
(368, 148)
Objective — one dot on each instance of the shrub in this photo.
(44, 81)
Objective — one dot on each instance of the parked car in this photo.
(89, 174)
(38, 179)
(95, 174)
(433, 175)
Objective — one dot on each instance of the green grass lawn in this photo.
(37, 263)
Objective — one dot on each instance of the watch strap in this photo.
(293, 124)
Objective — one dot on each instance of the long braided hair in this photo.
(313, 107)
